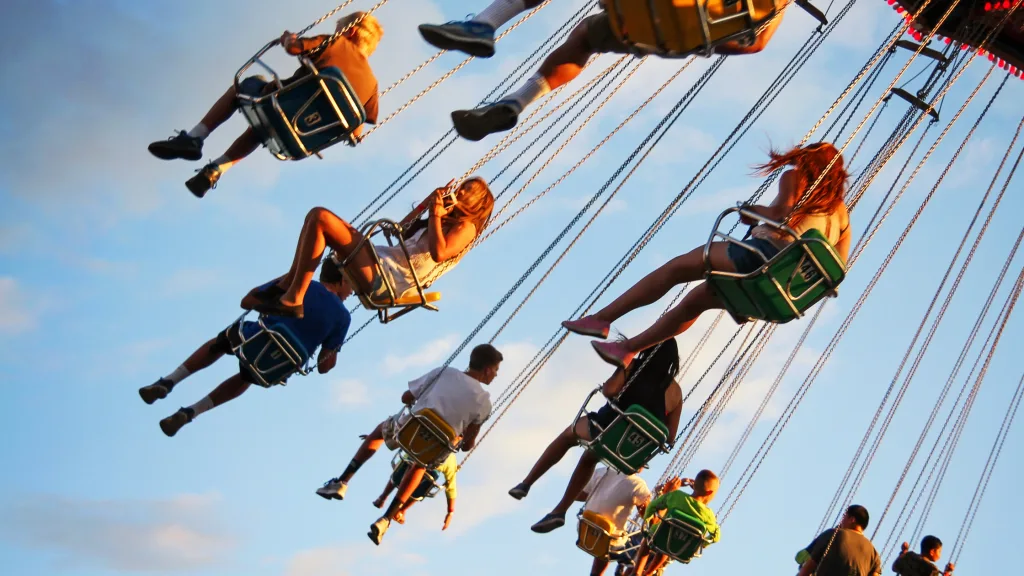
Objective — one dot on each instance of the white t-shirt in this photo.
(614, 495)
(456, 397)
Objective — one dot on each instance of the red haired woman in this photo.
(823, 209)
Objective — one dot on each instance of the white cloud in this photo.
(179, 533)
(189, 280)
(16, 313)
(349, 559)
(349, 393)
(427, 355)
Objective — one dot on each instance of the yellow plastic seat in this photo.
(595, 534)
(678, 28)
(426, 438)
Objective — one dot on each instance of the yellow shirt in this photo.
(448, 468)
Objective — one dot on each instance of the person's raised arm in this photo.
(783, 203)
(446, 244)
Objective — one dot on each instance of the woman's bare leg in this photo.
(677, 320)
(577, 482)
(322, 228)
(686, 268)
(552, 455)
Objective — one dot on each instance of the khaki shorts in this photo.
(389, 429)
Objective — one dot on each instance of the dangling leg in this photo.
(228, 390)
(671, 324)
(203, 357)
(598, 567)
(580, 476)
(388, 488)
(321, 228)
(657, 562)
(336, 487)
(551, 456)
(563, 65)
(476, 36)
(189, 145)
(641, 559)
(208, 175)
(400, 515)
(411, 480)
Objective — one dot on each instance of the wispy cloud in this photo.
(17, 314)
(351, 559)
(189, 281)
(427, 355)
(349, 393)
(179, 533)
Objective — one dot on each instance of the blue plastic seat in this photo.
(272, 354)
(305, 116)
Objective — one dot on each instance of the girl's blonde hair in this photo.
(365, 34)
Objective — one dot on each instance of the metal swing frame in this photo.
(590, 540)
(401, 457)
(425, 428)
(675, 526)
(708, 45)
(392, 231)
(277, 343)
(616, 460)
(252, 109)
(798, 243)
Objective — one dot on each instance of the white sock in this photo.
(202, 406)
(179, 374)
(200, 131)
(534, 87)
(500, 12)
(223, 163)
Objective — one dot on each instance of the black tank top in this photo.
(650, 395)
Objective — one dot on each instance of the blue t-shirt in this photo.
(324, 323)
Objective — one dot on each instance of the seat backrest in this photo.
(676, 27)
(595, 534)
(799, 275)
(426, 437)
(274, 354)
(631, 440)
(680, 536)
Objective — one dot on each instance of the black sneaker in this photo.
(548, 523)
(174, 422)
(202, 182)
(520, 491)
(473, 38)
(156, 391)
(180, 146)
(477, 123)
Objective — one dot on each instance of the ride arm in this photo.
(444, 246)
(326, 360)
(614, 384)
(469, 437)
(735, 47)
(451, 510)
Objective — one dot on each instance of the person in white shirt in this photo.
(613, 495)
(457, 397)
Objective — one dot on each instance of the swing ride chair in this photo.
(630, 441)
(595, 536)
(306, 116)
(785, 286)
(425, 438)
(392, 232)
(679, 536)
(271, 355)
(680, 28)
(431, 476)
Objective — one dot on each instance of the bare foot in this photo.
(400, 517)
(379, 502)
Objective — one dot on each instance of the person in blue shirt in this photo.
(324, 325)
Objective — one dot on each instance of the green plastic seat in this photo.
(781, 290)
(679, 536)
(631, 440)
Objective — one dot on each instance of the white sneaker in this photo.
(332, 490)
(378, 529)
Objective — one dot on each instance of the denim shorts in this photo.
(746, 261)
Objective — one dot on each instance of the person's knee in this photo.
(318, 215)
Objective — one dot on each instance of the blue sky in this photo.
(111, 273)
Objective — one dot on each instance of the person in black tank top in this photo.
(650, 380)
